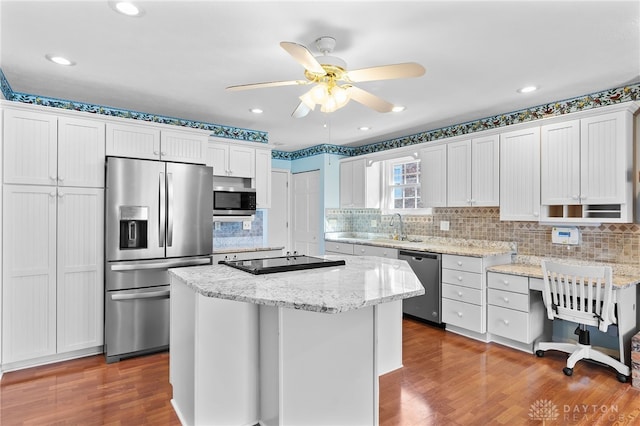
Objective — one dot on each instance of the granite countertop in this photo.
(363, 281)
(457, 246)
(244, 249)
(529, 266)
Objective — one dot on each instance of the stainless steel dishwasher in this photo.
(427, 267)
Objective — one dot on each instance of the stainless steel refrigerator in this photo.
(158, 215)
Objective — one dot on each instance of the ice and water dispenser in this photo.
(133, 227)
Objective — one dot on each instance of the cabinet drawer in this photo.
(464, 315)
(462, 263)
(467, 279)
(362, 250)
(343, 248)
(509, 323)
(463, 294)
(508, 299)
(508, 282)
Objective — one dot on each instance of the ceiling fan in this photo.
(332, 83)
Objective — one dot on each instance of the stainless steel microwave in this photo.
(233, 201)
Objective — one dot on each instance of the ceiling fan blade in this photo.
(302, 55)
(387, 72)
(301, 110)
(370, 100)
(267, 84)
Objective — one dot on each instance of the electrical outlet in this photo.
(444, 225)
(374, 223)
(246, 225)
(216, 226)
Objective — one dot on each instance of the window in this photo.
(402, 190)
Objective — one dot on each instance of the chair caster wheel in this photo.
(539, 353)
(622, 378)
(567, 371)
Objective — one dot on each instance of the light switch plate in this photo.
(374, 223)
(216, 226)
(246, 225)
(444, 225)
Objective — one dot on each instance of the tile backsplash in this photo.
(616, 243)
(231, 234)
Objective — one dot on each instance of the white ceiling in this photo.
(177, 59)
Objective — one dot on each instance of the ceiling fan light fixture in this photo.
(307, 99)
(398, 108)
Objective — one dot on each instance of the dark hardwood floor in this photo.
(446, 380)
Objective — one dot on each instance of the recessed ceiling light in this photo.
(528, 89)
(398, 108)
(364, 128)
(256, 110)
(126, 8)
(60, 60)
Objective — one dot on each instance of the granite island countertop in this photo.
(362, 281)
(456, 246)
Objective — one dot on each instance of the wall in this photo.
(617, 243)
(231, 234)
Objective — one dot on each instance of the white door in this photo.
(306, 213)
(459, 174)
(560, 164)
(124, 140)
(29, 272)
(183, 147)
(278, 216)
(433, 176)
(81, 148)
(485, 171)
(80, 271)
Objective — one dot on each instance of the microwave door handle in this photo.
(161, 208)
(169, 209)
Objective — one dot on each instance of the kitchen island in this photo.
(288, 348)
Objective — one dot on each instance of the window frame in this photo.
(388, 187)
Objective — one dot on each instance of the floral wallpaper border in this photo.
(594, 100)
(215, 129)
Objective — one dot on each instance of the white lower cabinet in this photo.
(331, 247)
(513, 311)
(363, 250)
(53, 260)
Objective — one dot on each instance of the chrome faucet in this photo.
(401, 236)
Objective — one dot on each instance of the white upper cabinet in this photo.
(433, 176)
(126, 140)
(586, 169)
(262, 181)
(473, 172)
(520, 175)
(81, 150)
(229, 159)
(43, 149)
(184, 147)
(359, 184)
(151, 143)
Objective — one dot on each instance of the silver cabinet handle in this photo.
(159, 265)
(148, 295)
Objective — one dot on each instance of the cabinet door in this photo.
(605, 153)
(433, 176)
(183, 147)
(80, 268)
(262, 181)
(242, 161)
(560, 167)
(218, 158)
(485, 171)
(346, 184)
(459, 174)
(30, 153)
(29, 272)
(133, 141)
(359, 184)
(520, 175)
(81, 149)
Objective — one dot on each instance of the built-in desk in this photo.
(527, 279)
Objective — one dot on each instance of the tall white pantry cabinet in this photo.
(52, 236)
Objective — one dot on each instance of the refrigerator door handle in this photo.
(169, 209)
(162, 209)
(160, 265)
(147, 295)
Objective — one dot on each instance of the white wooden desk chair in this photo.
(581, 294)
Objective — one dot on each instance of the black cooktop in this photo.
(270, 265)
